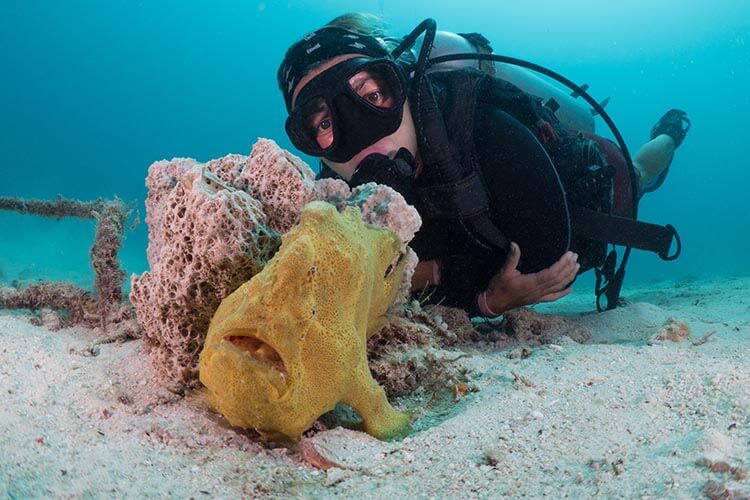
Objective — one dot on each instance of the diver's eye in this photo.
(372, 89)
(322, 130)
(324, 126)
(375, 97)
(378, 97)
(318, 121)
(324, 133)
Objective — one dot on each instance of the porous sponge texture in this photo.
(380, 205)
(213, 226)
(205, 239)
(314, 305)
(282, 182)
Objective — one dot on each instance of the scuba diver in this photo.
(517, 194)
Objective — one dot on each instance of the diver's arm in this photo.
(509, 288)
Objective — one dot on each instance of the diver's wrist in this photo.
(485, 307)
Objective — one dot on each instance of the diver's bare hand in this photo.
(509, 288)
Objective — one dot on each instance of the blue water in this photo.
(93, 92)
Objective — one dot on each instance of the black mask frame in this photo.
(357, 123)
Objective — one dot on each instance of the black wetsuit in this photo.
(503, 148)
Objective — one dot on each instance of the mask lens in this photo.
(310, 126)
(316, 118)
(378, 86)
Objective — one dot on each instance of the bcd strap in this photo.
(465, 200)
(627, 232)
(609, 282)
(453, 194)
(466, 197)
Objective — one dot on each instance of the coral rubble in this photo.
(674, 330)
(72, 299)
(107, 307)
(530, 327)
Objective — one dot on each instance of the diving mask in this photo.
(347, 108)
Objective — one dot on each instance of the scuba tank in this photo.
(573, 115)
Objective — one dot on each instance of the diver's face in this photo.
(368, 87)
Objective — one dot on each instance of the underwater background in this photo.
(91, 93)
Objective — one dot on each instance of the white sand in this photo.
(617, 417)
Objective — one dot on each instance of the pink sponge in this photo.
(205, 239)
(282, 182)
(380, 205)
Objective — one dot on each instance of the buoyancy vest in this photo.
(576, 191)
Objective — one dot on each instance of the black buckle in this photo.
(664, 252)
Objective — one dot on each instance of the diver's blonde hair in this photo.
(363, 23)
(372, 25)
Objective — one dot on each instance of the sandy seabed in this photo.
(622, 415)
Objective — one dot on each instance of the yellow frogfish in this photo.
(291, 343)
